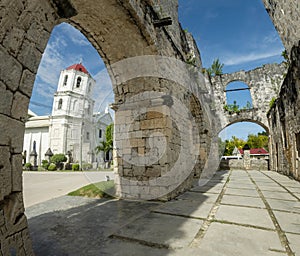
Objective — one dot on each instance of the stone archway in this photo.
(118, 30)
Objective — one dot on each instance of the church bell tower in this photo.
(72, 113)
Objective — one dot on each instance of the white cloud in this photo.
(103, 92)
(74, 34)
(237, 59)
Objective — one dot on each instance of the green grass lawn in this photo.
(103, 189)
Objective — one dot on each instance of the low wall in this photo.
(235, 164)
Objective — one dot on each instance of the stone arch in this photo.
(118, 30)
(240, 120)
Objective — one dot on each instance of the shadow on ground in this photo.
(81, 226)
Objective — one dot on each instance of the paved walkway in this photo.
(236, 213)
(42, 186)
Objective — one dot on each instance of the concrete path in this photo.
(42, 186)
(236, 213)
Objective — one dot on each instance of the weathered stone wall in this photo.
(264, 84)
(285, 15)
(119, 30)
(25, 27)
(284, 121)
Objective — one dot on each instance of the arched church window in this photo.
(65, 80)
(89, 88)
(60, 103)
(78, 82)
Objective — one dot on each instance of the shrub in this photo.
(45, 164)
(41, 169)
(27, 166)
(58, 159)
(52, 167)
(75, 167)
(87, 166)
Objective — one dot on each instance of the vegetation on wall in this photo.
(234, 108)
(216, 69)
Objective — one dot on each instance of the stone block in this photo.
(27, 81)
(6, 98)
(153, 171)
(15, 219)
(12, 133)
(30, 56)
(5, 172)
(13, 40)
(27, 242)
(16, 162)
(39, 35)
(10, 70)
(20, 106)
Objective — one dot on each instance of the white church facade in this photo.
(72, 126)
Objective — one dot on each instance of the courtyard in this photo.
(236, 213)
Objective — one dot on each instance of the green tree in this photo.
(231, 144)
(107, 145)
(216, 68)
(258, 141)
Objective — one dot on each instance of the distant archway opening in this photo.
(238, 96)
(235, 136)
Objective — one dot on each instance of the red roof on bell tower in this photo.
(78, 67)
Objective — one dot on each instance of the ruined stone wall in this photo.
(264, 84)
(25, 27)
(285, 15)
(284, 121)
(158, 110)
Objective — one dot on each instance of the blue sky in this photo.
(238, 32)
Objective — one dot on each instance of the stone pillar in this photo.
(156, 145)
(247, 159)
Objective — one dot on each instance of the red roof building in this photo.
(256, 151)
(78, 67)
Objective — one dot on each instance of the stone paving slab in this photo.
(245, 215)
(294, 243)
(284, 205)
(278, 195)
(294, 190)
(199, 197)
(235, 241)
(242, 226)
(216, 189)
(289, 222)
(118, 247)
(186, 208)
(171, 231)
(271, 188)
(241, 192)
(242, 200)
(241, 185)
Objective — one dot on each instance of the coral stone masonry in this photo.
(163, 127)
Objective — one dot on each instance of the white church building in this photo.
(72, 126)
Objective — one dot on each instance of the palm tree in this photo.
(216, 68)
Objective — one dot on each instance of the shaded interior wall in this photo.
(284, 121)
